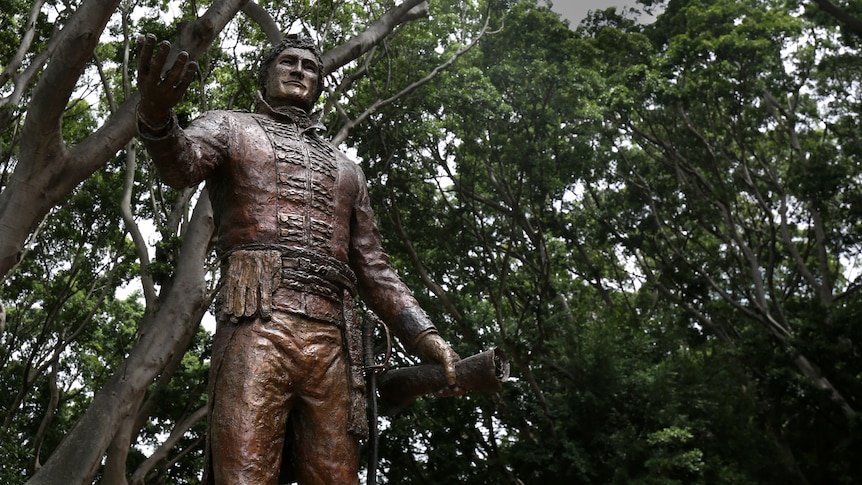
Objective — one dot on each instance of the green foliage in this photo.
(671, 459)
(65, 332)
(639, 174)
(658, 224)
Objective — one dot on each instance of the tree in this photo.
(658, 224)
(662, 233)
(732, 200)
(45, 164)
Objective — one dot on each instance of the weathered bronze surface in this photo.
(484, 372)
(298, 243)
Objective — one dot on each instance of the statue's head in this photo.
(292, 73)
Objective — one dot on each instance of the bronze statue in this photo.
(298, 242)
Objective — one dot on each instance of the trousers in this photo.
(280, 401)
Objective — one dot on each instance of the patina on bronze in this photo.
(298, 243)
(484, 372)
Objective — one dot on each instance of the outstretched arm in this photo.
(183, 157)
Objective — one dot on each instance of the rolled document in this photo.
(485, 372)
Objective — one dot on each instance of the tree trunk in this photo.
(40, 181)
(79, 455)
(47, 170)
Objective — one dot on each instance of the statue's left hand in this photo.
(431, 347)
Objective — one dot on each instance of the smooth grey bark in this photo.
(163, 332)
(48, 170)
(376, 32)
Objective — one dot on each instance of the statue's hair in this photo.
(298, 41)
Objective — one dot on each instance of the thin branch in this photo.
(48, 416)
(427, 280)
(129, 180)
(128, 218)
(162, 451)
(345, 130)
(26, 40)
(106, 84)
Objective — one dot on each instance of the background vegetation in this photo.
(659, 223)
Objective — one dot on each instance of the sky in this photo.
(576, 10)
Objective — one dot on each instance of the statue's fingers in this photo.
(450, 375)
(232, 300)
(177, 70)
(146, 43)
(449, 358)
(248, 296)
(188, 76)
(158, 62)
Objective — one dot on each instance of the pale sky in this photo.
(576, 10)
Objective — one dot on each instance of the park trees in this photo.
(657, 223)
(735, 195)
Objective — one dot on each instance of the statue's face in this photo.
(293, 79)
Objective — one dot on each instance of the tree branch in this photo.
(376, 32)
(78, 40)
(264, 20)
(132, 226)
(48, 416)
(345, 130)
(26, 40)
(140, 475)
(841, 15)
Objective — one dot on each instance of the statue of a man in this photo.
(298, 242)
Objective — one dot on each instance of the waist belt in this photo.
(306, 270)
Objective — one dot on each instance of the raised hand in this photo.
(161, 93)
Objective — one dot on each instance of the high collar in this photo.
(291, 114)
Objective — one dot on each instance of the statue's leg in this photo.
(251, 403)
(324, 453)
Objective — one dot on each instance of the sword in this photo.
(372, 368)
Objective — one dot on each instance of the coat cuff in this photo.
(411, 325)
(151, 131)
